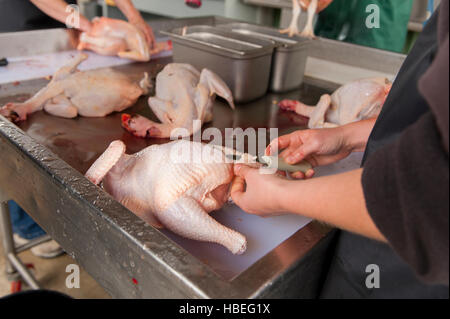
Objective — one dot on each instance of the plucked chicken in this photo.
(183, 95)
(352, 102)
(115, 37)
(173, 185)
(94, 93)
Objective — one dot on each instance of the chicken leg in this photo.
(308, 31)
(293, 27)
(187, 218)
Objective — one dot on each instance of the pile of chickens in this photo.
(144, 182)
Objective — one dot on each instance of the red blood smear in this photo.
(169, 45)
(125, 119)
(193, 3)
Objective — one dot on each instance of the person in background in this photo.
(24, 15)
(394, 212)
(57, 10)
(345, 20)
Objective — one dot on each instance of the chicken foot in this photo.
(308, 31)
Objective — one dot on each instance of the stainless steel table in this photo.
(43, 162)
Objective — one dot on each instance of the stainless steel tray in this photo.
(243, 62)
(289, 57)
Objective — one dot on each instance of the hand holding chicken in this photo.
(116, 37)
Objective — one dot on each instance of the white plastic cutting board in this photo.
(263, 234)
(39, 66)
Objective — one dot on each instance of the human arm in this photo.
(405, 187)
(134, 17)
(318, 198)
(57, 10)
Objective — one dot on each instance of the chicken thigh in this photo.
(183, 95)
(115, 37)
(352, 102)
(173, 185)
(94, 93)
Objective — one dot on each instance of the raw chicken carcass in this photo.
(312, 7)
(115, 37)
(94, 93)
(352, 102)
(183, 95)
(173, 185)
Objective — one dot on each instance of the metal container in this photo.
(243, 62)
(289, 57)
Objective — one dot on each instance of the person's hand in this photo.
(139, 23)
(318, 147)
(322, 5)
(257, 193)
(135, 18)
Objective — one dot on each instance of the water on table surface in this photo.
(80, 141)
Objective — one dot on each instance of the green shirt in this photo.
(346, 20)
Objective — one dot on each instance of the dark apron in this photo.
(23, 15)
(346, 277)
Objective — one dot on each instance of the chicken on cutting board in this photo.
(183, 94)
(115, 37)
(355, 101)
(94, 93)
(173, 185)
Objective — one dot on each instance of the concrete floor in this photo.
(51, 274)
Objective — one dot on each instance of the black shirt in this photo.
(400, 277)
(23, 15)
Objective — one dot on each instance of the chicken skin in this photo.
(115, 37)
(183, 95)
(94, 93)
(352, 102)
(173, 185)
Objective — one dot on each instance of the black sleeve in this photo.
(406, 188)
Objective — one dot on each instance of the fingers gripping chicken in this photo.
(115, 37)
(182, 95)
(352, 102)
(173, 185)
(94, 93)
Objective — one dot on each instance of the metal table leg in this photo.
(13, 263)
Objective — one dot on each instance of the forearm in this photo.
(128, 9)
(357, 134)
(57, 10)
(319, 198)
